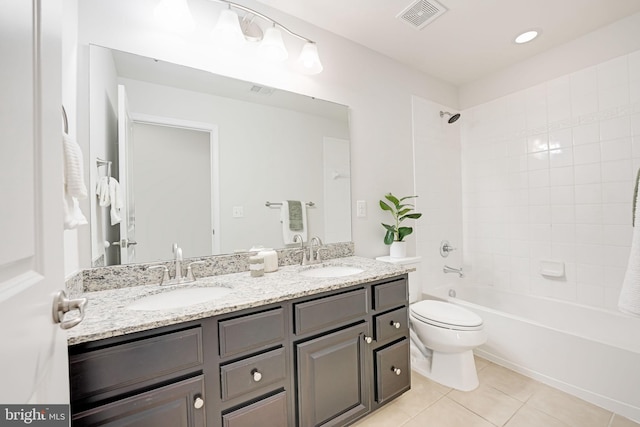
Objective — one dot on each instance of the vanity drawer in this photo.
(250, 332)
(252, 373)
(393, 374)
(392, 324)
(135, 364)
(329, 311)
(390, 294)
(268, 412)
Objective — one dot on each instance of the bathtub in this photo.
(590, 353)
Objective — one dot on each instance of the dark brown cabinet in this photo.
(332, 381)
(322, 360)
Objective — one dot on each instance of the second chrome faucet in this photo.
(309, 257)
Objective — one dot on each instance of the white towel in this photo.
(116, 201)
(629, 301)
(73, 179)
(287, 233)
(108, 192)
(73, 168)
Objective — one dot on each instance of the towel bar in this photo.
(269, 204)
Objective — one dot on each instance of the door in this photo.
(33, 353)
(332, 380)
(125, 176)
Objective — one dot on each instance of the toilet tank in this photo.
(415, 285)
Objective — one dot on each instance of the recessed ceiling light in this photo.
(527, 36)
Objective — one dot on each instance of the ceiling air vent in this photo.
(262, 90)
(421, 13)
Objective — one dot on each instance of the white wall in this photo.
(619, 38)
(548, 173)
(377, 89)
(438, 184)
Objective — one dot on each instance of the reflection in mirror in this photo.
(196, 156)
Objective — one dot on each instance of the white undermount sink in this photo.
(177, 298)
(331, 271)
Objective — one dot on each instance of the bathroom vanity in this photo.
(326, 351)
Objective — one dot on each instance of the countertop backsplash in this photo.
(122, 276)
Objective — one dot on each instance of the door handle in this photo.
(62, 305)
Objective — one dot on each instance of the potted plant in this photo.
(395, 233)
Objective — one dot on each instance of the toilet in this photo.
(443, 336)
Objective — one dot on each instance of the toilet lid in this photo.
(444, 314)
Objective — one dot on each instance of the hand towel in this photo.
(287, 211)
(73, 168)
(73, 182)
(116, 201)
(629, 300)
(102, 191)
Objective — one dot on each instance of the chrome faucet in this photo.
(315, 256)
(177, 254)
(448, 269)
(305, 257)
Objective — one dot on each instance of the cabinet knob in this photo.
(396, 371)
(198, 402)
(395, 324)
(368, 340)
(257, 376)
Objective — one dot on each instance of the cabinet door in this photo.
(332, 381)
(174, 405)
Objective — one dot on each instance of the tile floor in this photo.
(504, 398)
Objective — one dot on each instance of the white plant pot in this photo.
(398, 250)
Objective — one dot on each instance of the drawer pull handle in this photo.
(257, 376)
(396, 371)
(198, 402)
(395, 324)
(368, 340)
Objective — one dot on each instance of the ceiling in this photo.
(473, 39)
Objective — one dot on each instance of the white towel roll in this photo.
(629, 301)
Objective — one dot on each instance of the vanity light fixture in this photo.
(527, 36)
(232, 30)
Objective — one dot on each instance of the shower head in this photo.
(452, 118)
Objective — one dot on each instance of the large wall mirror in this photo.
(194, 158)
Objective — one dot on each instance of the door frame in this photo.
(212, 129)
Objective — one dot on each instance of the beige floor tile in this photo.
(423, 393)
(388, 416)
(620, 421)
(528, 416)
(447, 413)
(509, 382)
(481, 363)
(488, 402)
(569, 409)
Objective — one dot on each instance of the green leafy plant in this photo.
(400, 211)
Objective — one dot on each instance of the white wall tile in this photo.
(587, 173)
(620, 170)
(616, 150)
(587, 153)
(586, 134)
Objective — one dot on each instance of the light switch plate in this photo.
(361, 208)
(238, 212)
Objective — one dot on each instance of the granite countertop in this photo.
(106, 314)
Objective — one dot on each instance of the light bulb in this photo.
(310, 59)
(227, 29)
(272, 47)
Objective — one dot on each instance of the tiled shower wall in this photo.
(548, 174)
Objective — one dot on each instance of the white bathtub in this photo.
(591, 353)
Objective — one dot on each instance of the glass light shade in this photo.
(227, 29)
(175, 15)
(272, 47)
(310, 59)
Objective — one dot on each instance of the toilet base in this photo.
(455, 370)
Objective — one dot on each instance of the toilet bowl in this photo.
(443, 337)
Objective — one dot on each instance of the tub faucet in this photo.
(448, 269)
